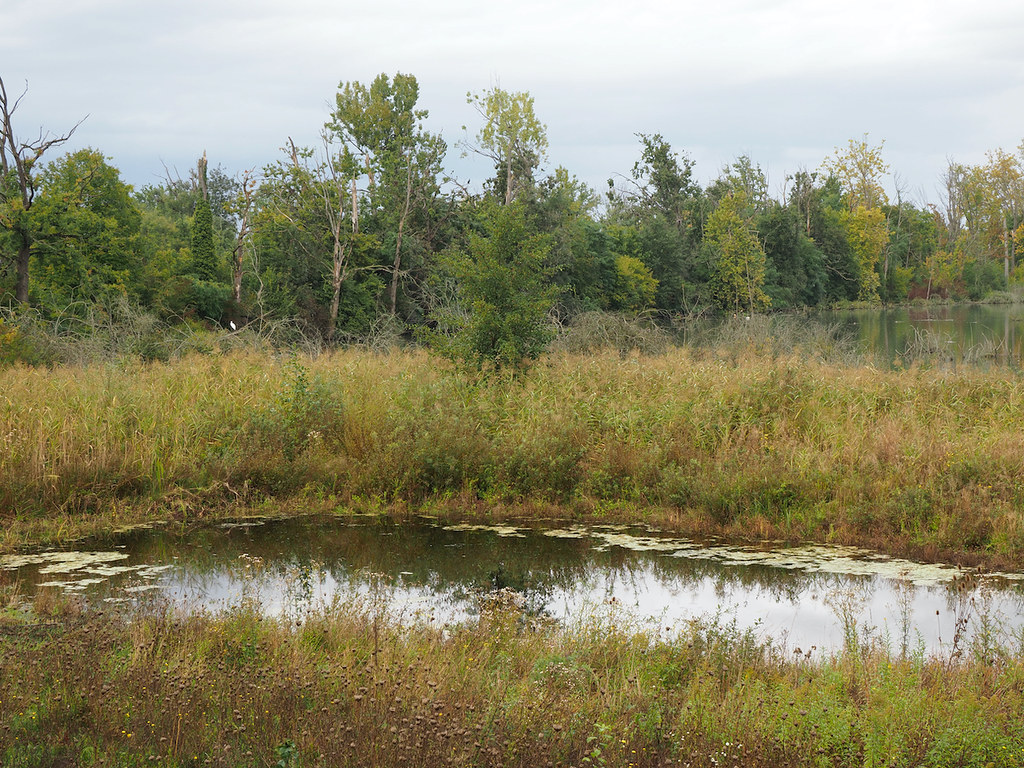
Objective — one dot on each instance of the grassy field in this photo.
(344, 686)
(922, 462)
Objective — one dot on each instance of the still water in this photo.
(429, 572)
(983, 334)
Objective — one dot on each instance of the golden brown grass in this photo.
(918, 461)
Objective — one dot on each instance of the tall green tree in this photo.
(663, 182)
(204, 255)
(18, 187)
(859, 169)
(314, 258)
(580, 256)
(795, 270)
(175, 283)
(665, 205)
(400, 161)
(87, 228)
(824, 213)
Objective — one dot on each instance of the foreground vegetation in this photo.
(345, 685)
(742, 441)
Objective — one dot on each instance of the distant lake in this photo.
(944, 336)
(969, 334)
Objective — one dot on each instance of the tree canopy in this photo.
(368, 227)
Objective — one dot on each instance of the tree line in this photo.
(367, 226)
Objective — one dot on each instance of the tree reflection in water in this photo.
(430, 572)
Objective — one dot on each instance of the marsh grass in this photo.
(747, 441)
(347, 686)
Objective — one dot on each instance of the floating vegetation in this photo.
(85, 569)
(60, 562)
(505, 531)
(840, 561)
(812, 558)
(436, 572)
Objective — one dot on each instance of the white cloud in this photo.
(783, 81)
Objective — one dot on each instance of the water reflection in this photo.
(957, 334)
(802, 596)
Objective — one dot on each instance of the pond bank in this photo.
(60, 529)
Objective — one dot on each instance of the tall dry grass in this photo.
(740, 442)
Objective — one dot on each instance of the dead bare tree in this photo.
(243, 206)
(326, 183)
(18, 184)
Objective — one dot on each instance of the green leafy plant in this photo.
(304, 412)
(287, 754)
(505, 295)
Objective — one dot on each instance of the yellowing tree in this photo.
(1004, 178)
(512, 137)
(859, 169)
(944, 268)
(738, 278)
(635, 287)
(868, 234)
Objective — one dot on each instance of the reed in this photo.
(919, 461)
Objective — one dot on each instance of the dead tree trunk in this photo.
(15, 206)
(245, 200)
(397, 266)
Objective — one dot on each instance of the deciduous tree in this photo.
(504, 291)
(512, 137)
(739, 269)
(1004, 175)
(663, 202)
(859, 169)
(309, 231)
(86, 233)
(401, 160)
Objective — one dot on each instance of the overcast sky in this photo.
(784, 81)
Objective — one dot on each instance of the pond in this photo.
(955, 334)
(799, 597)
